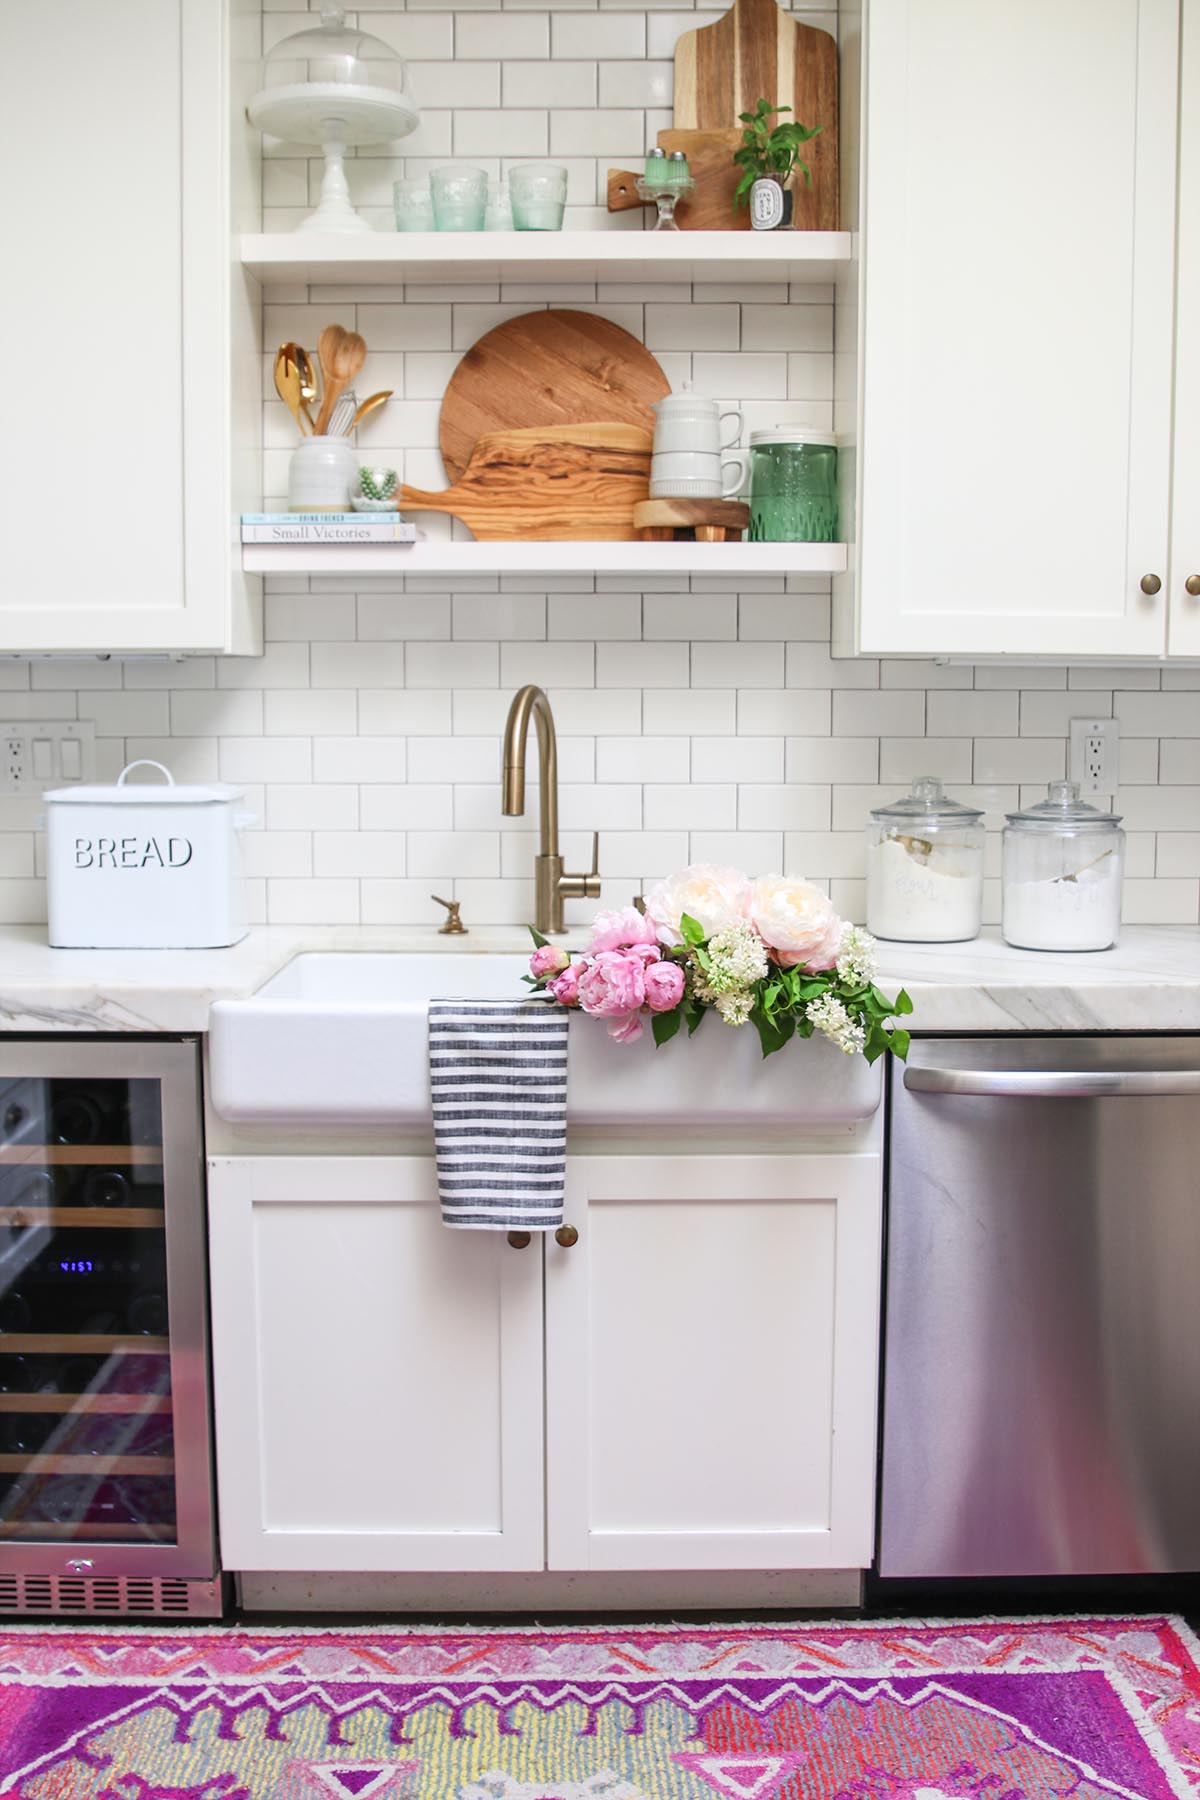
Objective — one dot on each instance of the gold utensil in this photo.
(289, 385)
(342, 354)
(308, 381)
(370, 405)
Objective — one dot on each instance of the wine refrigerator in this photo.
(106, 1479)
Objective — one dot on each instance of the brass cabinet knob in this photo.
(1150, 584)
(1192, 584)
(519, 1240)
(566, 1235)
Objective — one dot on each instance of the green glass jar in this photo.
(793, 486)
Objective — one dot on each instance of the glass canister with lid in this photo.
(925, 867)
(793, 486)
(1063, 868)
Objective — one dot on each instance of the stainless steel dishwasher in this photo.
(1042, 1360)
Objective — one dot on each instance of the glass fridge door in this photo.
(105, 1464)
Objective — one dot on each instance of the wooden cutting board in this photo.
(553, 481)
(547, 368)
(757, 49)
(710, 159)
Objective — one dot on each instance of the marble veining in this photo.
(1149, 982)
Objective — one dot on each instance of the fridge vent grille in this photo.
(112, 1594)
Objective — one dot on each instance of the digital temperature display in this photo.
(77, 1265)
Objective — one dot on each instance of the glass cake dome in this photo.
(334, 85)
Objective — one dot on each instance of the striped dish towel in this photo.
(498, 1077)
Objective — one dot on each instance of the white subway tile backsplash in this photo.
(696, 718)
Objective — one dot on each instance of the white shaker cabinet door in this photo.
(378, 1378)
(711, 1350)
(120, 307)
(1019, 226)
(1184, 630)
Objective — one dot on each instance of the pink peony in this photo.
(548, 959)
(625, 1028)
(617, 930)
(796, 921)
(664, 986)
(565, 987)
(612, 984)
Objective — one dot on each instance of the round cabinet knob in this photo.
(1150, 584)
(519, 1240)
(1192, 584)
(566, 1235)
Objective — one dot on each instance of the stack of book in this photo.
(327, 528)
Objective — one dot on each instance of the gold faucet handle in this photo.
(584, 887)
(454, 926)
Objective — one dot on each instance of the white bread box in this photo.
(145, 866)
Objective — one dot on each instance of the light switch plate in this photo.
(1095, 752)
(36, 754)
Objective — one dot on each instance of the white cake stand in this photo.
(333, 114)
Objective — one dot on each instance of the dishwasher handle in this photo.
(1054, 1084)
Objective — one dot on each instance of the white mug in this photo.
(703, 434)
(696, 475)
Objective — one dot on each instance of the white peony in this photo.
(715, 898)
(796, 920)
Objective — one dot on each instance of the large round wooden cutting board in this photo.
(547, 368)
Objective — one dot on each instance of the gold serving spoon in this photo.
(289, 384)
(370, 405)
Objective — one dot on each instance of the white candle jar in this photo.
(1063, 868)
(925, 868)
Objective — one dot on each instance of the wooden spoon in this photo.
(342, 355)
(289, 384)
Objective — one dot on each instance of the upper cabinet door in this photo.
(1184, 629)
(1018, 269)
(118, 312)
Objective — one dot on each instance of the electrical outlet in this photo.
(46, 753)
(1095, 755)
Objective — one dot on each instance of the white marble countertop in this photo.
(1149, 982)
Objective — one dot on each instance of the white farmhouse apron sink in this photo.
(339, 1038)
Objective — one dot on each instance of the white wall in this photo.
(696, 721)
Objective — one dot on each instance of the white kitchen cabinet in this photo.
(1184, 603)
(129, 328)
(1018, 271)
(708, 1375)
(711, 1351)
(378, 1379)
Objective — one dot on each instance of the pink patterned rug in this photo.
(1058, 1709)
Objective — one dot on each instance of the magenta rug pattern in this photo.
(1044, 1709)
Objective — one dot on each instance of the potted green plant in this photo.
(769, 155)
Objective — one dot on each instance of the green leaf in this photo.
(694, 1013)
(664, 1025)
(898, 1043)
(693, 931)
(537, 937)
(902, 1003)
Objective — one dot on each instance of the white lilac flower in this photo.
(735, 1009)
(829, 1015)
(856, 956)
(737, 959)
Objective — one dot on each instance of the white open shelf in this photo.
(444, 557)
(580, 256)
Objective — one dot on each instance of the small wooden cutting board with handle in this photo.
(550, 482)
(758, 50)
(554, 367)
(710, 159)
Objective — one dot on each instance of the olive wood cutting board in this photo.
(756, 50)
(551, 481)
(547, 368)
(710, 159)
